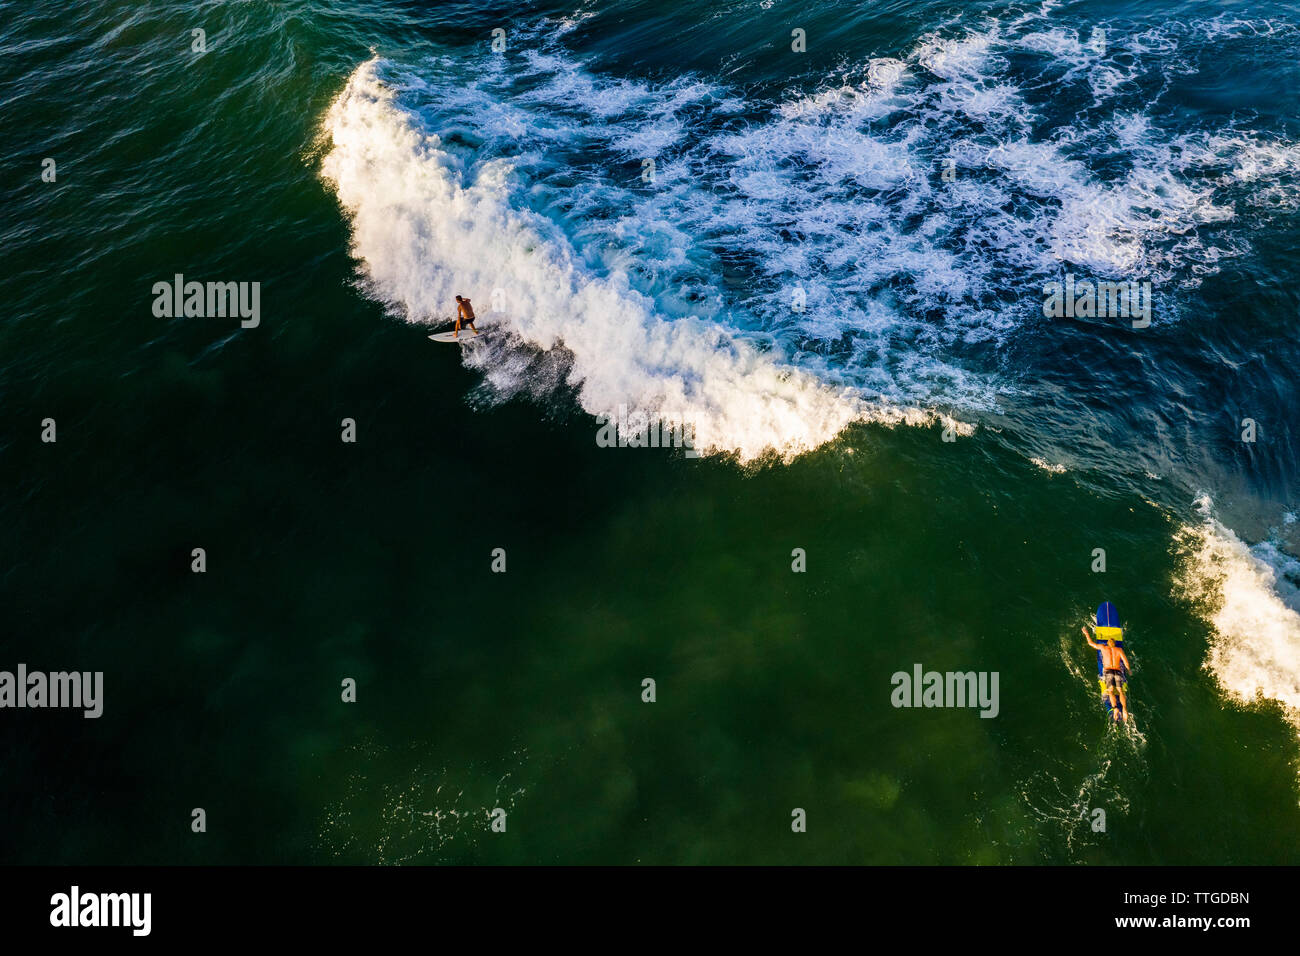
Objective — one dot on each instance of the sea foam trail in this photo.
(1249, 596)
(426, 227)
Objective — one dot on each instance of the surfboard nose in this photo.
(1107, 616)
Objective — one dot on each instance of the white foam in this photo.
(911, 281)
(426, 227)
(1249, 597)
(953, 58)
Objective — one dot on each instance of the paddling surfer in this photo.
(1113, 660)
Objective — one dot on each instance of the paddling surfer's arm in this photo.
(1088, 637)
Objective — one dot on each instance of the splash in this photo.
(1250, 598)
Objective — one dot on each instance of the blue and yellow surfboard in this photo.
(1109, 629)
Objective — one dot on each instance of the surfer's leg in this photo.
(1123, 699)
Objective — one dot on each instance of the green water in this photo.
(372, 560)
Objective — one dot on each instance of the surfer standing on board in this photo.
(464, 313)
(1111, 658)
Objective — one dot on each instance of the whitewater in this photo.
(773, 270)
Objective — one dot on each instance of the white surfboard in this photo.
(466, 335)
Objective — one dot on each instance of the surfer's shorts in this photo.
(1114, 680)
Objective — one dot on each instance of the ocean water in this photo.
(830, 263)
